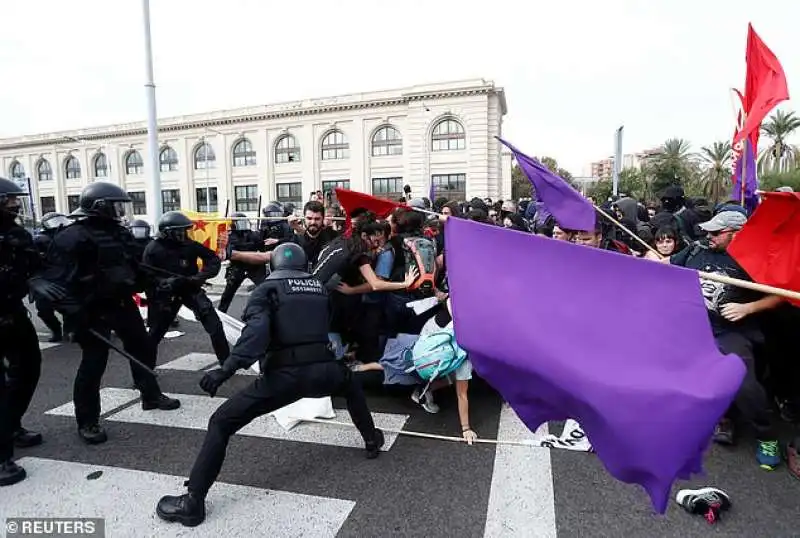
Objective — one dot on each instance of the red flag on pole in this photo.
(765, 85)
(352, 200)
(768, 247)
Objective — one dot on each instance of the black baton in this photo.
(121, 351)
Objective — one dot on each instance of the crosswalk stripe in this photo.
(193, 362)
(196, 410)
(521, 498)
(126, 499)
(48, 345)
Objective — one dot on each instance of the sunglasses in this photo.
(719, 232)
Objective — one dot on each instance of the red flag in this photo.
(768, 247)
(765, 85)
(352, 200)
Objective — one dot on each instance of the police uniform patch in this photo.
(303, 285)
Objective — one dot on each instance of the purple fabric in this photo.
(750, 182)
(647, 388)
(570, 209)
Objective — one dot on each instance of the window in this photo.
(329, 187)
(243, 153)
(206, 199)
(450, 186)
(204, 157)
(448, 135)
(290, 192)
(73, 202)
(17, 171)
(335, 146)
(72, 168)
(134, 165)
(48, 204)
(171, 200)
(287, 150)
(388, 187)
(100, 165)
(387, 141)
(168, 159)
(246, 197)
(43, 170)
(139, 202)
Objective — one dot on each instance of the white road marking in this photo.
(110, 399)
(193, 362)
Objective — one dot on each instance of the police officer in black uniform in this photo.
(286, 330)
(172, 257)
(241, 239)
(52, 223)
(275, 225)
(94, 260)
(19, 344)
(140, 230)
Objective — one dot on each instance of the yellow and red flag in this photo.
(209, 230)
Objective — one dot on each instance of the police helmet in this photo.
(54, 221)
(8, 189)
(288, 209)
(174, 225)
(239, 222)
(102, 199)
(272, 209)
(288, 256)
(139, 228)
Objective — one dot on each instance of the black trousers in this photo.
(271, 391)
(48, 316)
(121, 316)
(751, 402)
(234, 276)
(19, 345)
(781, 350)
(164, 308)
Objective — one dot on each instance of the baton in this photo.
(121, 351)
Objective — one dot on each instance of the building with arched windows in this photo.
(439, 136)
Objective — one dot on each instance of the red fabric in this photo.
(352, 200)
(765, 86)
(768, 247)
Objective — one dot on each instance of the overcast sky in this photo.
(573, 71)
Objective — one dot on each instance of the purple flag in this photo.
(648, 392)
(570, 209)
(750, 182)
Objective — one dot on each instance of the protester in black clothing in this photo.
(315, 234)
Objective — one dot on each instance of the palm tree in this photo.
(780, 156)
(673, 165)
(716, 176)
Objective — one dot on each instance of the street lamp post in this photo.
(154, 175)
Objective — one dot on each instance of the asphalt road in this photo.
(312, 481)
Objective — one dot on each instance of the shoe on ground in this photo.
(187, 509)
(724, 432)
(163, 403)
(708, 502)
(11, 473)
(94, 434)
(25, 439)
(793, 458)
(426, 402)
(768, 455)
(374, 447)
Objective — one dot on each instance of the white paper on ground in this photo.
(572, 438)
(423, 305)
(174, 334)
(308, 408)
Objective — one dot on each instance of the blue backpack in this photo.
(437, 355)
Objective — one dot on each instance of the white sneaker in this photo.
(427, 402)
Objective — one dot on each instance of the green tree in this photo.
(549, 162)
(771, 181)
(673, 166)
(780, 156)
(520, 186)
(715, 181)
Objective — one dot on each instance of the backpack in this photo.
(436, 355)
(420, 253)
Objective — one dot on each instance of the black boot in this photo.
(162, 402)
(26, 439)
(374, 447)
(93, 434)
(188, 509)
(56, 337)
(11, 473)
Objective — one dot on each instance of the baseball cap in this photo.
(731, 220)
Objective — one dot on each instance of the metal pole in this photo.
(154, 173)
(617, 160)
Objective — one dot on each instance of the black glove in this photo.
(46, 290)
(169, 284)
(213, 380)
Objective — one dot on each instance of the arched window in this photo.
(448, 135)
(243, 153)
(134, 164)
(17, 171)
(387, 141)
(287, 150)
(43, 170)
(100, 165)
(335, 146)
(72, 167)
(204, 157)
(168, 159)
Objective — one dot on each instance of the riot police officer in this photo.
(241, 239)
(172, 257)
(140, 230)
(52, 223)
(94, 260)
(296, 362)
(275, 225)
(19, 344)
